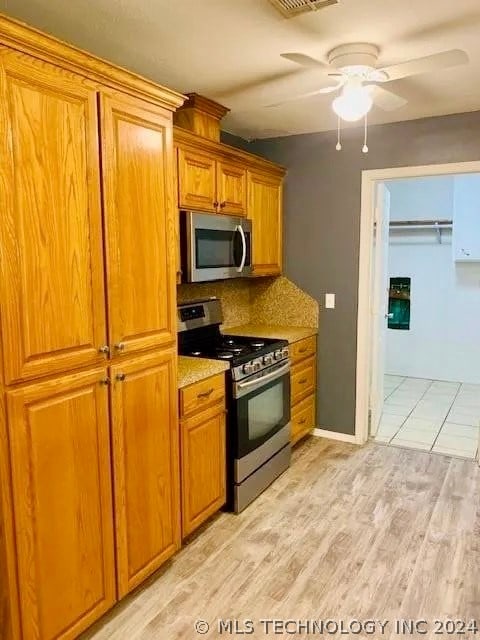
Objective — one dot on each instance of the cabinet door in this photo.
(53, 308)
(231, 188)
(265, 211)
(146, 465)
(137, 162)
(196, 181)
(60, 449)
(203, 467)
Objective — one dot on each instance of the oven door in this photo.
(215, 247)
(261, 408)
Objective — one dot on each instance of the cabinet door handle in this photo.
(105, 349)
(120, 346)
(302, 350)
(223, 204)
(205, 394)
(120, 377)
(105, 381)
(215, 204)
(303, 381)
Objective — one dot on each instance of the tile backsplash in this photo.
(276, 301)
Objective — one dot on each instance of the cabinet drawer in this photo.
(303, 349)
(303, 379)
(202, 394)
(303, 418)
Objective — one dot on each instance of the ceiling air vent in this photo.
(292, 8)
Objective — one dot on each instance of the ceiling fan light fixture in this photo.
(354, 103)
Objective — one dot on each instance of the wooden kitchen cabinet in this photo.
(203, 451)
(265, 211)
(146, 466)
(197, 186)
(209, 183)
(87, 233)
(231, 188)
(137, 168)
(303, 382)
(52, 292)
(60, 452)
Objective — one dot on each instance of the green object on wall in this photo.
(399, 304)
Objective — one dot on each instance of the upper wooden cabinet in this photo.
(146, 465)
(231, 188)
(52, 294)
(139, 218)
(208, 184)
(265, 211)
(196, 181)
(60, 450)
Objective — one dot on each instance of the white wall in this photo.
(443, 342)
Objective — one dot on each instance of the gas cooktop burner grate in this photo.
(257, 344)
(225, 355)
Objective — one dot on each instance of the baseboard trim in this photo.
(334, 435)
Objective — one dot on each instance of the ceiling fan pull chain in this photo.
(365, 147)
(339, 144)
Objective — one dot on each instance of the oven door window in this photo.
(262, 413)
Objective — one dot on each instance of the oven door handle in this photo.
(239, 228)
(270, 376)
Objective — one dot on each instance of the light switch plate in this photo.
(329, 301)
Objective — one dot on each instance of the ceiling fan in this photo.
(359, 80)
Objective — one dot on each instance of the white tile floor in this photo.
(443, 417)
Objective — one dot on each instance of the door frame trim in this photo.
(370, 179)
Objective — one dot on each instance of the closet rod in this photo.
(425, 224)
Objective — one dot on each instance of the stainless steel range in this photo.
(258, 388)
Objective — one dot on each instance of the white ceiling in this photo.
(215, 46)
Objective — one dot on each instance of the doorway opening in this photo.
(419, 343)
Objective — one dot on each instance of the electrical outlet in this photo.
(329, 301)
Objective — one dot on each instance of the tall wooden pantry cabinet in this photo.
(89, 461)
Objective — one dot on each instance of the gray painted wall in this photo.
(322, 224)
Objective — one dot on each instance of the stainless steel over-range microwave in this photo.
(214, 247)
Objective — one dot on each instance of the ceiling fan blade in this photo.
(434, 62)
(304, 60)
(385, 99)
(309, 94)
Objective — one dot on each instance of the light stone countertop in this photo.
(192, 370)
(282, 332)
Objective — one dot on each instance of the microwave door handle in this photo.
(239, 228)
(270, 376)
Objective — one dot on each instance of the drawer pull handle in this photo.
(205, 394)
(302, 350)
(302, 421)
(105, 381)
(303, 381)
(120, 377)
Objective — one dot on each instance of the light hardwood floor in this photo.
(346, 533)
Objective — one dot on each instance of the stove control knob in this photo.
(257, 365)
(278, 354)
(285, 352)
(247, 368)
(267, 359)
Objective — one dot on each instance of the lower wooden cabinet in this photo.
(303, 377)
(146, 466)
(203, 451)
(61, 476)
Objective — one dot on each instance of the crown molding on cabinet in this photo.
(29, 40)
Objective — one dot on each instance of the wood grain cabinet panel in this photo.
(203, 467)
(303, 418)
(231, 188)
(53, 312)
(265, 211)
(303, 379)
(196, 181)
(146, 465)
(137, 163)
(60, 451)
